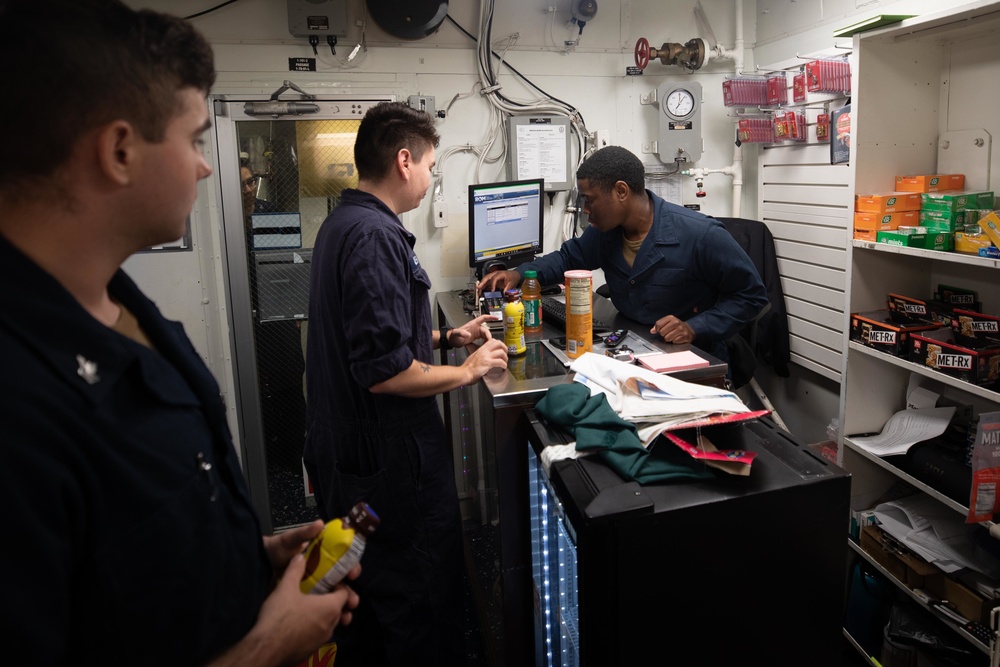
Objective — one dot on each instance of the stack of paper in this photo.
(653, 402)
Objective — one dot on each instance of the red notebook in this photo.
(669, 362)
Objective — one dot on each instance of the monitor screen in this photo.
(505, 221)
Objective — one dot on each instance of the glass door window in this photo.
(280, 177)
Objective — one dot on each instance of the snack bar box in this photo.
(908, 310)
(876, 330)
(974, 329)
(938, 350)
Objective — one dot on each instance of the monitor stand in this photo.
(491, 265)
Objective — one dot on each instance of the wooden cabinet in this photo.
(925, 103)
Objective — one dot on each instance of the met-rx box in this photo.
(907, 310)
(959, 297)
(876, 330)
(975, 330)
(939, 350)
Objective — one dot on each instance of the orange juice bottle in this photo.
(531, 295)
(579, 313)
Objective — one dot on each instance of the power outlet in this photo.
(440, 212)
(602, 138)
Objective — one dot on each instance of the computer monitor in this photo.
(505, 223)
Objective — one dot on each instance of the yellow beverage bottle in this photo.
(513, 323)
(337, 549)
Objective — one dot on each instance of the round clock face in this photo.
(680, 103)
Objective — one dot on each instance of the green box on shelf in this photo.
(953, 201)
(917, 237)
(942, 222)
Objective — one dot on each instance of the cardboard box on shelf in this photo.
(971, 244)
(939, 350)
(953, 201)
(881, 222)
(930, 182)
(900, 562)
(916, 237)
(887, 202)
(974, 329)
(958, 297)
(963, 599)
(908, 310)
(990, 225)
(876, 330)
(942, 222)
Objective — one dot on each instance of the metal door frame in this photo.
(227, 111)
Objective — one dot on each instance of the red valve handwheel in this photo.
(642, 53)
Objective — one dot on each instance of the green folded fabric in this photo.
(598, 428)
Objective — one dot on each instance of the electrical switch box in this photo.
(317, 17)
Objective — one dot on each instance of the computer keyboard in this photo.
(554, 312)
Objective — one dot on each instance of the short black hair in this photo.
(387, 128)
(611, 164)
(81, 64)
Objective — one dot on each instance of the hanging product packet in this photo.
(985, 501)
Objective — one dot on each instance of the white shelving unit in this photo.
(925, 102)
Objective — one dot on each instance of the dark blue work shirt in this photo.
(688, 266)
(131, 536)
(369, 316)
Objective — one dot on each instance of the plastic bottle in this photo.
(531, 295)
(337, 549)
(513, 323)
(579, 313)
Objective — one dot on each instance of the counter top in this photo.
(531, 374)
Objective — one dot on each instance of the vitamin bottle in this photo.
(531, 295)
(337, 549)
(513, 323)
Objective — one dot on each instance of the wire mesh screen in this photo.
(292, 173)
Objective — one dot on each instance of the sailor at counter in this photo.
(673, 269)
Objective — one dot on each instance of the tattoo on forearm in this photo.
(425, 368)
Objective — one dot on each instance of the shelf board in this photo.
(906, 589)
(860, 649)
(931, 373)
(937, 255)
(906, 477)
